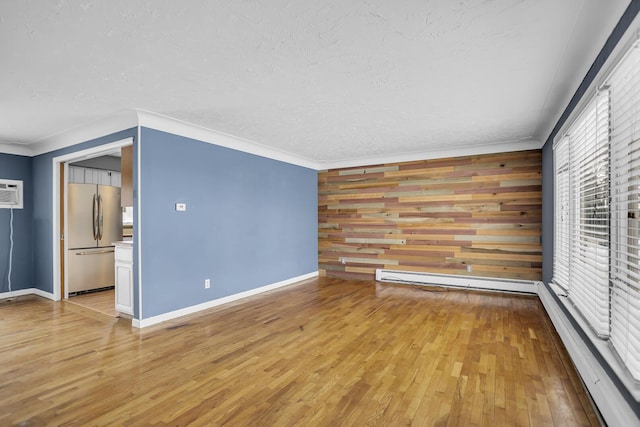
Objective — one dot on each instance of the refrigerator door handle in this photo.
(105, 251)
(95, 217)
(100, 217)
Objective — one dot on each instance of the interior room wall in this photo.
(474, 215)
(18, 168)
(548, 182)
(621, 401)
(249, 221)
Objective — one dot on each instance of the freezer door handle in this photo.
(100, 217)
(106, 251)
(95, 217)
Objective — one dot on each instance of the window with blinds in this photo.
(625, 210)
(582, 255)
(597, 212)
(562, 220)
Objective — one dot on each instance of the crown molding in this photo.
(127, 119)
(628, 37)
(178, 127)
(470, 150)
(17, 149)
(118, 121)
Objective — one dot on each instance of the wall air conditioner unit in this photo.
(11, 195)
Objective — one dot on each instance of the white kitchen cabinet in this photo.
(104, 177)
(97, 176)
(81, 175)
(115, 178)
(76, 175)
(124, 277)
(90, 176)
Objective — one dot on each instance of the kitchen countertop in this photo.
(125, 243)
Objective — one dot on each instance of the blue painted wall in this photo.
(21, 168)
(250, 221)
(42, 205)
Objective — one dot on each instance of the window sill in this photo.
(603, 347)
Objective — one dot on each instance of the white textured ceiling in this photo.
(325, 80)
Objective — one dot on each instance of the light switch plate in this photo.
(181, 207)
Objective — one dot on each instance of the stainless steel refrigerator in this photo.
(94, 223)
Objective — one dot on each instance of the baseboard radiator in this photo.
(451, 280)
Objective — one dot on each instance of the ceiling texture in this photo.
(327, 81)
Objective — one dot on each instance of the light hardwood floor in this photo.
(324, 352)
(102, 301)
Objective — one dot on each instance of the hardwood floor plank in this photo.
(101, 301)
(325, 352)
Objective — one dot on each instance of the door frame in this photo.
(60, 264)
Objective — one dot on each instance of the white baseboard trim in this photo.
(613, 406)
(28, 291)
(484, 283)
(44, 294)
(142, 323)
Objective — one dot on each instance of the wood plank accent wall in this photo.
(439, 216)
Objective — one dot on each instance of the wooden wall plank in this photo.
(437, 216)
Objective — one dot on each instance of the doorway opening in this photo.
(87, 219)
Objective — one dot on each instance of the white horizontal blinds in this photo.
(625, 211)
(589, 213)
(562, 203)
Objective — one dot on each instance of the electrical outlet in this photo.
(207, 283)
(469, 269)
(343, 260)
